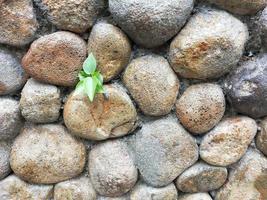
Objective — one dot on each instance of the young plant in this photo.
(91, 81)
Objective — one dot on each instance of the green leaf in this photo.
(90, 87)
(80, 87)
(99, 77)
(89, 65)
(82, 75)
(99, 86)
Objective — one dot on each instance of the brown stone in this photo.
(261, 139)
(56, 58)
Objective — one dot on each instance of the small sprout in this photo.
(91, 81)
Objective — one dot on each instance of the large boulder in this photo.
(208, 46)
(151, 23)
(46, 154)
(56, 58)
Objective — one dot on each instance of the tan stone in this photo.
(261, 139)
(196, 196)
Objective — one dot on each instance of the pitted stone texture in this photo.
(18, 22)
(196, 196)
(79, 188)
(151, 23)
(247, 180)
(228, 141)
(242, 7)
(56, 58)
(75, 15)
(111, 168)
(201, 177)
(13, 188)
(46, 154)
(246, 87)
(146, 192)
(40, 102)
(208, 46)
(111, 48)
(12, 75)
(164, 149)
(10, 118)
(103, 118)
(152, 84)
(263, 23)
(5, 148)
(201, 107)
(261, 139)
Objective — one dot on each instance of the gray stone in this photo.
(196, 196)
(208, 46)
(125, 197)
(261, 139)
(164, 149)
(46, 154)
(263, 23)
(201, 177)
(201, 107)
(10, 118)
(13, 188)
(152, 84)
(112, 169)
(40, 102)
(5, 169)
(151, 23)
(228, 141)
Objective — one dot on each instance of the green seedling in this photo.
(91, 81)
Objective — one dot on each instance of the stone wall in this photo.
(183, 117)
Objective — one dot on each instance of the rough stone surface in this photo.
(40, 102)
(79, 188)
(12, 75)
(151, 23)
(146, 192)
(4, 159)
(163, 151)
(201, 107)
(47, 154)
(196, 196)
(246, 87)
(228, 141)
(76, 16)
(103, 118)
(10, 118)
(152, 84)
(261, 139)
(242, 7)
(263, 23)
(18, 22)
(111, 48)
(125, 197)
(247, 180)
(56, 58)
(112, 169)
(201, 177)
(208, 46)
(13, 188)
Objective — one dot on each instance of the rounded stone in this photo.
(152, 84)
(246, 87)
(40, 102)
(247, 179)
(112, 169)
(151, 23)
(111, 48)
(261, 140)
(56, 58)
(4, 159)
(196, 196)
(263, 24)
(124, 197)
(78, 188)
(201, 107)
(103, 118)
(46, 154)
(228, 141)
(146, 192)
(10, 118)
(12, 75)
(14, 188)
(164, 149)
(201, 177)
(18, 23)
(241, 7)
(76, 16)
(208, 46)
